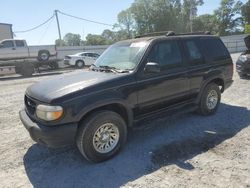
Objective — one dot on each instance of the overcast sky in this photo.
(25, 14)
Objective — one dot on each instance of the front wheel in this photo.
(79, 64)
(210, 99)
(101, 136)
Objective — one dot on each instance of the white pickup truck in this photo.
(12, 49)
(16, 55)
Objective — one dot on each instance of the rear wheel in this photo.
(210, 99)
(79, 64)
(26, 70)
(101, 136)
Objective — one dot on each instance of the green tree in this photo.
(126, 21)
(206, 22)
(142, 14)
(59, 42)
(95, 40)
(72, 39)
(228, 16)
(246, 12)
(162, 15)
(189, 12)
(109, 36)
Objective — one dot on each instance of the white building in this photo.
(6, 31)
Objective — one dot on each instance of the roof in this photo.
(5, 24)
(150, 38)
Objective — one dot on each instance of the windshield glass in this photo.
(78, 54)
(123, 56)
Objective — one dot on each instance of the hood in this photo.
(247, 41)
(50, 89)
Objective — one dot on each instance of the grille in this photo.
(30, 105)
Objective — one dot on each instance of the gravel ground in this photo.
(182, 151)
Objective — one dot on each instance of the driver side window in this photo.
(167, 54)
(7, 44)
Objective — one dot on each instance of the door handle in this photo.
(13, 48)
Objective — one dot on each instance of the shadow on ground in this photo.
(171, 140)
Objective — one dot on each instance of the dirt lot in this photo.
(183, 151)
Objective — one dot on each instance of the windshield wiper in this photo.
(108, 68)
(113, 69)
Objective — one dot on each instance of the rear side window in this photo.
(215, 48)
(194, 53)
(167, 54)
(19, 43)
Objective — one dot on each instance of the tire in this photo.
(43, 56)
(27, 70)
(92, 141)
(210, 99)
(53, 65)
(79, 64)
(242, 75)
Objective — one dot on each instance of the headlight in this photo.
(243, 58)
(49, 113)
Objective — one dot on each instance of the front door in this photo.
(7, 50)
(170, 85)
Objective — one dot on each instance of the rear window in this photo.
(19, 43)
(215, 48)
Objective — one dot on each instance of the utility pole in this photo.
(58, 27)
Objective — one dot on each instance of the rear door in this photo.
(197, 64)
(170, 85)
(87, 59)
(21, 49)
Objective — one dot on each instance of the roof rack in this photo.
(172, 33)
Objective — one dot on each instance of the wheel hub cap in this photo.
(106, 138)
(212, 99)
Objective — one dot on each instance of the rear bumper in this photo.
(56, 136)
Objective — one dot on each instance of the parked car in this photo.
(132, 80)
(243, 62)
(81, 59)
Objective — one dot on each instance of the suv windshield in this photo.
(123, 56)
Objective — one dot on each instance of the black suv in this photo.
(132, 80)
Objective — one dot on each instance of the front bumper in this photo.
(56, 136)
(66, 62)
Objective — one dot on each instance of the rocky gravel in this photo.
(178, 151)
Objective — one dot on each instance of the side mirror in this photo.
(152, 67)
(1, 45)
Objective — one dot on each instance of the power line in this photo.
(46, 30)
(92, 21)
(36, 26)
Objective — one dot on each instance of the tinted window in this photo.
(215, 48)
(167, 54)
(8, 44)
(96, 55)
(91, 55)
(85, 54)
(19, 43)
(194, 53)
